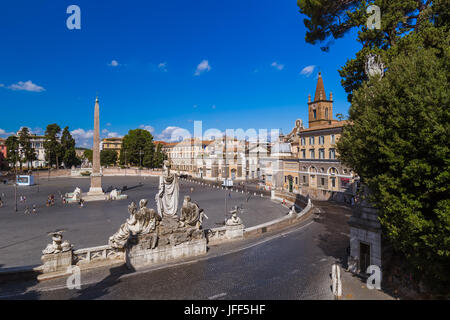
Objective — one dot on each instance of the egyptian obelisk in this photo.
(96, 176)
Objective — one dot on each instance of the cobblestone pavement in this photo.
(24, 236)
(283, 265)
(334, 242)
(293, 263)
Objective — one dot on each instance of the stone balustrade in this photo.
(97, 254)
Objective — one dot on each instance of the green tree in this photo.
(51, 145)
(332, 19)
(138, 148)
(108, 157)
(398, 144)
(397, 137)
(88, 154)
(12, 150)
(69, 156)
(159, 156)
(27, 152)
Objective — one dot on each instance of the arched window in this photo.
(315, 114)
(326, 113)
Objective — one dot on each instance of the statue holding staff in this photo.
(167, 196)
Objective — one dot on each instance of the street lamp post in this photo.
(15, 185)
(48, 165)
(140, 158)
(125, 161)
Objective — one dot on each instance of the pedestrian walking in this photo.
(34, 209)
(27, 211)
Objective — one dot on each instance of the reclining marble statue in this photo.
(191, 214)
(141, 221)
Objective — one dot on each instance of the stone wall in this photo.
(118, 172)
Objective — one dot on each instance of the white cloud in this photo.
(1, 85)
(214, 106)
(83, 137)
(148, 128)
(163, 66)
(114, 63)
(173, 134)
(113, 135)
(26, 86)
(202, 67)
(108, 124)
(81, 133)
(109, 134)
(277, 65)
(3, 132)
(308, 70)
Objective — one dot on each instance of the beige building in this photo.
(214, 160)
(112, 144)
(314, 168)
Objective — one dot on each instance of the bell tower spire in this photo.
(321, 109)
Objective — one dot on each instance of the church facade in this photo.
(314, 168)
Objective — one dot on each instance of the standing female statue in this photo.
(167, 196)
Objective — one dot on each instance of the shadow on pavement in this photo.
(12, 289)
(103, 287)
(334, 240)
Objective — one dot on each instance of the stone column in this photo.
(96, 176)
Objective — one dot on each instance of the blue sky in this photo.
(147, 62)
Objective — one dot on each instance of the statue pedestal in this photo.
(234, 232)
(96, 186)
(55, 262)
(138, 257)
(169, 243)
(94, 196)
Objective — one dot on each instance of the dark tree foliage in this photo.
(332, 19)
(137, 148)
(69, 155)
(398, 143)
(397, 137)
(159, 156)
(12, 150)
(52, 145)
(88, 154)
(28, 153)
(108, 157)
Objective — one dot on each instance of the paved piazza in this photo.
(293, 263)
(24, 236)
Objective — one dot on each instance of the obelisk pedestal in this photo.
(96, 191)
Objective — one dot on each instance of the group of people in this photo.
(34, 210)
(50, 200)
